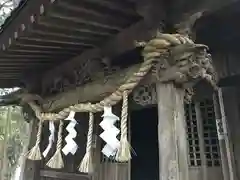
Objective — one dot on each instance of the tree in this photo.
(6, 6)
(13, 137)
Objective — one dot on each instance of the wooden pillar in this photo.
(224, 162)
(171, 133)
(228, 145)
(201, 140)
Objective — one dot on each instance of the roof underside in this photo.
(220, 31)
(43, 34)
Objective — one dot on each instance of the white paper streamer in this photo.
(110, 132)
(220, 129)
(71, 146)
(51, 138)
(109, 151)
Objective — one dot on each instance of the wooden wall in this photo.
(226, 64)
(113, 171)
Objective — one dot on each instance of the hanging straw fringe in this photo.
(35, 153)
(56, 161)
(86, 165)
(124, 151)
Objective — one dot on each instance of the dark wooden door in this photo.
(144, 140)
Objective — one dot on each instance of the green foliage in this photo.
(17, 136)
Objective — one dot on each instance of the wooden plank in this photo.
(64, 175)
(98, 9)
(31, 57)
(45, 47)
(66, 38)
(53, 42)
(64, 26)
(23, 61)
(116, 6)
(40, 51)
(69, 15)
(122, 42)
(52, 33)
(22, 20)
(24, 54)
(93, 15)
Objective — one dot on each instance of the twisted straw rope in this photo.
(59, 141)
(90, 133)
(152, 49)
(124, 151)
(86, 164)
(39, 133)
(124, 115)
(34, 153)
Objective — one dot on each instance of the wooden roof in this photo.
(42, 34)
(221, 30)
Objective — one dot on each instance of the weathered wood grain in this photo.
(171, 133)
(64, 175)
(94, 91)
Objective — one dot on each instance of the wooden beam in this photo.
(63, 175)
(46, 47)
(36, 57)
(55, 42)
(62, 38)
(62, 26)
(106, 6)
(99, 89)
(94, 91)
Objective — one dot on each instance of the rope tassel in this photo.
(86, 165)
(35, 153)
(124, 151)
(56, 161)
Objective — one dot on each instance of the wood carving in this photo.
(93, 91)
(185, 64)
(86, 72)
(145, 95)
